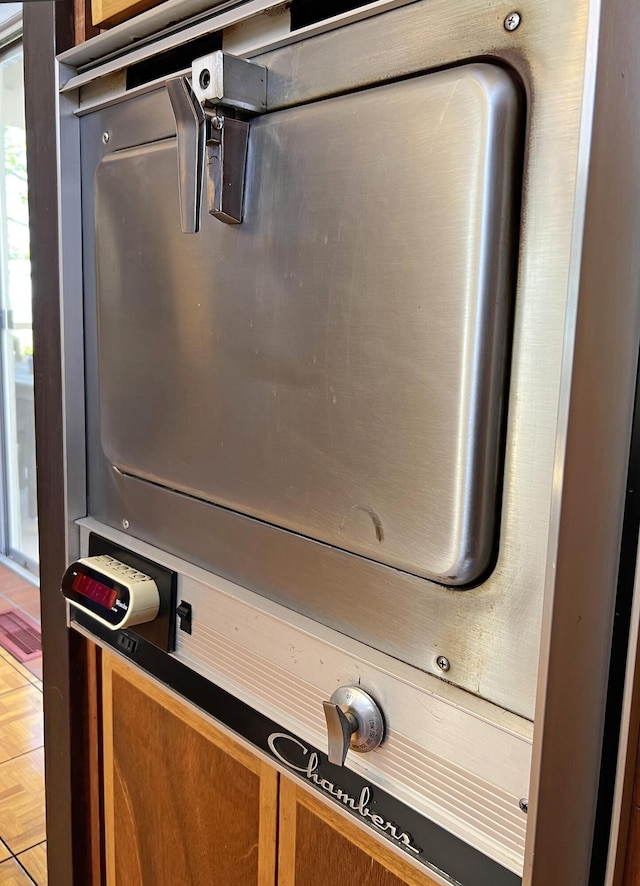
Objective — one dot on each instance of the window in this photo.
(18, 523)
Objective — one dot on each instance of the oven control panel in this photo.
(114, 593)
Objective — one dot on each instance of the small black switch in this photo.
(127, 644)
(184, 614)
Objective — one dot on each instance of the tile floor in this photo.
(23, 858)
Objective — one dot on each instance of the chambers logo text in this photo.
(279, 742)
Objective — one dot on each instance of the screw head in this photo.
(524, 804)
(512, 21)
(443, 663)
(205, 78)
(105, 138)
(125, 524)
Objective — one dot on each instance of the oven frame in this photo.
(590, 458)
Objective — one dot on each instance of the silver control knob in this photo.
(354, 721)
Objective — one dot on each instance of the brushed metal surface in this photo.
(594, 480)
(336, 367)
(490, 634)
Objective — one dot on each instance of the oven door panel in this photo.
(335, 365)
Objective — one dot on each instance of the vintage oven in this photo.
(329, 284)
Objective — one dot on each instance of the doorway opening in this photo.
(18, 504)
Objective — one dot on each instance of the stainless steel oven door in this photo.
(334, 368)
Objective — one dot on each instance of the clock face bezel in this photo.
(94, 583)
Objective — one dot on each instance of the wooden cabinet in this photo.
(105, 13)
(186, 804)
(319, 846)
(183, 803)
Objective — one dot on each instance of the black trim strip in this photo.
(421, 839)
(309, 12)
(168, 63)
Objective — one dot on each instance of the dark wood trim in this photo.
(48, 27)
(630, 862)
(83, 27)
(85, 717)
(94, 768)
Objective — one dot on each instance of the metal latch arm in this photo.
(191, 139)
(213, 134)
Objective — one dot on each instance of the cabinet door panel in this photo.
(105, 13)
(319, 846)
(183, 802)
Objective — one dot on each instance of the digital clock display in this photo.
(94, 590)
(116, 594)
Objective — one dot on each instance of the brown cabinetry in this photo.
(319, 846)
(105, 13)
(185, 803)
